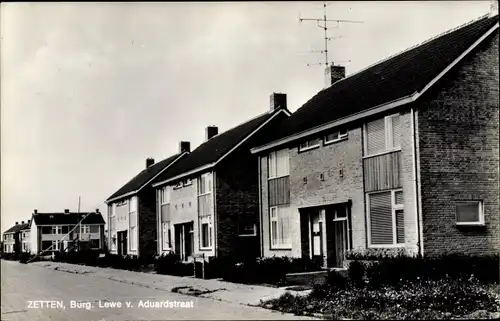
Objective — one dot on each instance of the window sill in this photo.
(245, 235)
(471, 224)
(308, 148)
(282, 248)
(205, 249)
(382, 153)
(329, 142)
(386, 246)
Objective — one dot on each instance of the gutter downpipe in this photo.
(415, 182)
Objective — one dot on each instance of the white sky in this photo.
(90, 90)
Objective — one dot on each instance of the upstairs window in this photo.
(204, 184)
(336, 136)
(309, 144)
(279, 163)
(56, 230)
(383, 135)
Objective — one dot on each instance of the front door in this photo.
(122, 242)
(338, 240)
(184, 240)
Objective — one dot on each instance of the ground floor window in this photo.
(95, 244)
(280, 227)
(386, 218)
(133, 238)
(206, 231)
(46, 245)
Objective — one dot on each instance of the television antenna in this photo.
(325, 22)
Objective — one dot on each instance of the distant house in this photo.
(208, 202)
(66, 231)
(132, 209)
(13, 238)
(403, 155)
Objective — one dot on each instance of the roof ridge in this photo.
(413, 47)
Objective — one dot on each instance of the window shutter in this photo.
(375, 136)
(381, 218)
(400, 226)
(396, 134)
(165, 213)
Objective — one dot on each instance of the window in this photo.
(383, 135)
(57, 246)
(279, 163)
(206, 231)
(386, 218)
(56, 230)
(65, 229)
(469, 213)
(336, 136)
(204, 184)
(46, 230)
(312, 143)
(247, 229)
(84, 229)
(280, 227)
(165, 228)
(46, 245)
(132, 220)
(187, 182)
(165, 195)
(94, 228)
(112, 218)
(178, 185)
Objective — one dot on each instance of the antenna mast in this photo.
(325, 28)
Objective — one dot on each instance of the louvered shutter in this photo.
(375, 136)
(381, 218)
(400, 226)
(396, 133)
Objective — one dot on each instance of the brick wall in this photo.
(458, 128)
(237, 197)
(146, 217)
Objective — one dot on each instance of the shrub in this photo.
(356, 273)
(336, 280)
(10, 256)
(171, 264)
(24, 257)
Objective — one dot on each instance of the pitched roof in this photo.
(17, 228)
(215, 148)
(396, 77)
(144, 177)
(67, 218)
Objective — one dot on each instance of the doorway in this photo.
(184, 239)
(122, 242)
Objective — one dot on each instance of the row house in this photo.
(66, 231)
(207, 204)
(14, 239)
(400, 156)
(132, 209)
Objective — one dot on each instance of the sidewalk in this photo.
(213, 289)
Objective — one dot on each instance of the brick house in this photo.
(65, 231)
(403, 155)
(208, 202)
(132, 209)
(15, 237)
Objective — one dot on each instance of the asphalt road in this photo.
(37, 293)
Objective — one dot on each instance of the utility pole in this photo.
(325, 28)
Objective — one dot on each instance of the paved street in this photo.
(23, 283)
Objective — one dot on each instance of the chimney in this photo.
(35, 211)
(277, 101)
(493, 8)
(149, 162)
(22, 222)
(333, 74)
(184, 147)
(66, 211)
(29, 221)
(17, 223)
(211, 131)
(97, 211)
